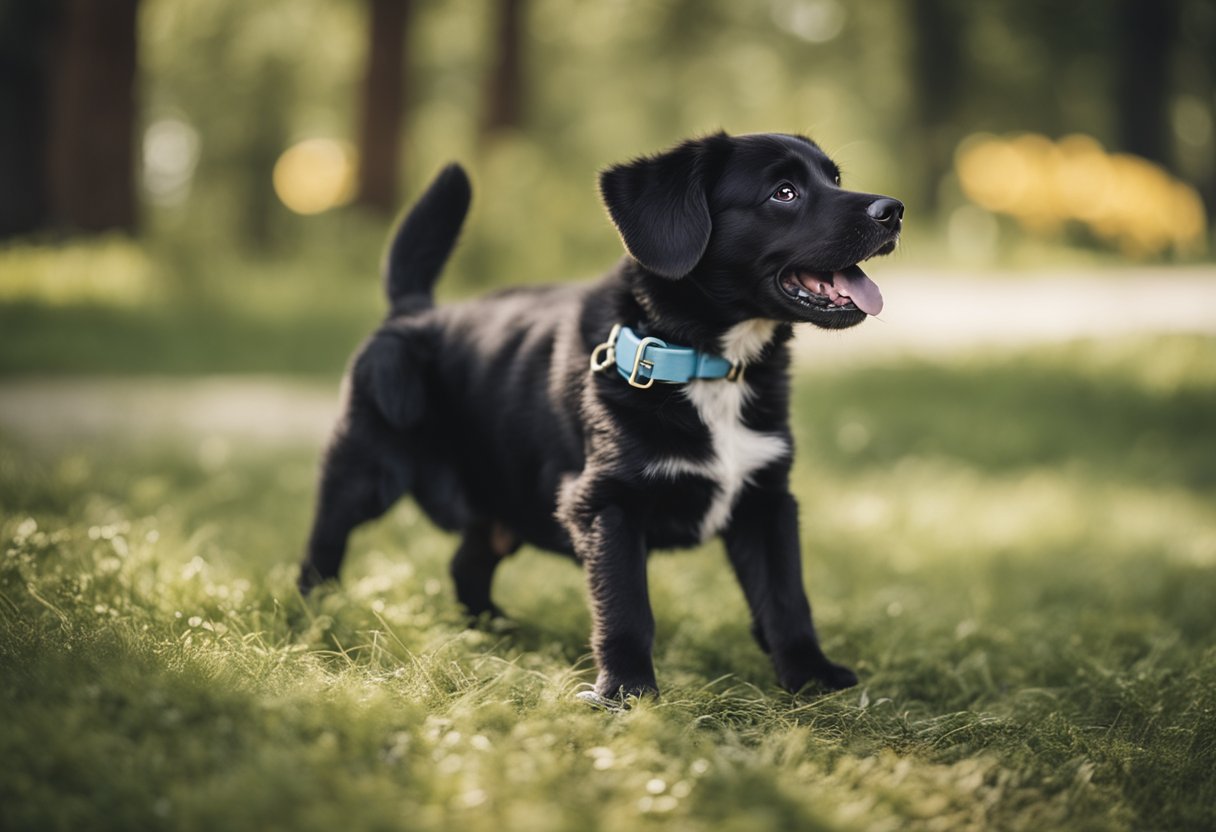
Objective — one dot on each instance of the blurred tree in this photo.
(67, 115)
(23, 42)
(937, 75)
(383, 112)
(1144, 45)
(90, 153)
(265, 140)
(504, 85)
(1195, 131)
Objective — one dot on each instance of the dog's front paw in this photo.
(616, 695)
(835, 676)
(603, 703)
(309, 579)
(818, 669)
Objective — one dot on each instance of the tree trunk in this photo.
(504, 86)
(936, 76)
(24, 29)
(90, 152)
(383, 105)
(268, 136)
(1146, 30)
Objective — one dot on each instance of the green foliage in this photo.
(1016, 554)
(633, 78)
(607, 81)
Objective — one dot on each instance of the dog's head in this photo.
(759, 223)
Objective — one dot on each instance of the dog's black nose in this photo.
(888, 212)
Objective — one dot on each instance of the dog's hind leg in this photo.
(368, 465)
(358, 483)
(481, 550)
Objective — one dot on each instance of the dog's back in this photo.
(466, 405)
(505, 379)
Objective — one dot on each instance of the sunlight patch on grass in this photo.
(112, 271)
(1156, 365)
(960, 513)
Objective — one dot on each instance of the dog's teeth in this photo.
(803, 293)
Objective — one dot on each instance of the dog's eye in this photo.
(785, 193)
(836, 179)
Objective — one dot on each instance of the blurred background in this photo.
(205, 185)
(1006, 481)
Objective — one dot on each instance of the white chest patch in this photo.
(738, 452)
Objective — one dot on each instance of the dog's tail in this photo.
(424, 239)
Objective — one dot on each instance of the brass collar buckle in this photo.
(639, 362)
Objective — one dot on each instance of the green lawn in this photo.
(1016, 552)
(117, 307)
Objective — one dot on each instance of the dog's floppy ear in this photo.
(659, 206)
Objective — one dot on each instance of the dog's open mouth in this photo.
(847, 289)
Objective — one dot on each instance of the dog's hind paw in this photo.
(491, 620)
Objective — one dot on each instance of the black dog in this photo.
(487, 411)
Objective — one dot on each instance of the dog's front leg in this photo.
(613, 551)
(763, 546)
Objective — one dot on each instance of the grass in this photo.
(1017, 554)
(113, 306)
(174, 339)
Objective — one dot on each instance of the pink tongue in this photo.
(854, 284)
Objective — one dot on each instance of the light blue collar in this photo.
(643, 361)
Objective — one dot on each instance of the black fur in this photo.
(424, 241)
(487, 413)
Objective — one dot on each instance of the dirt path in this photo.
(267, 409)
(926, 314)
